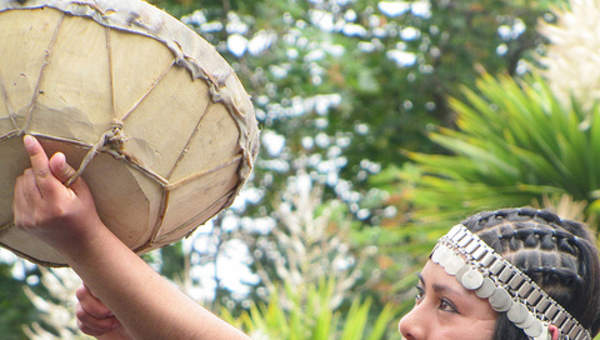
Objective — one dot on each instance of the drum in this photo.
(156, 121)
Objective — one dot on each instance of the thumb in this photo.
(63, 172)
(60, 168)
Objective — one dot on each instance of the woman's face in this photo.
(444, 309)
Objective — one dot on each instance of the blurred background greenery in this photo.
(383, 124)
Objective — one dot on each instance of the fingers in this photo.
(39, 163)
(94, 326)
(91, 304)
(553, 331)
(29, 187)
(94, 318)
(19, 203)
(63, 172)
(26, 194)
(60, 168)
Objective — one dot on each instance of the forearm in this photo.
(117, 334)
(146, 304)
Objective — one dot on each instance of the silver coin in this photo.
(454, 263)
(545, 334)
(535, 329)
(529, 320)
(443, 258)
(462, 272)
(487, 288)
(440, 254)
(517, 313)
(472, 279)
(500, 300)
(435, 257)
(445, 252)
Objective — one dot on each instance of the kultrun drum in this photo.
(156, 121)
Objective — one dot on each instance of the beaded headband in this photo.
(479, 268)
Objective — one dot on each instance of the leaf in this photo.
(514, 144)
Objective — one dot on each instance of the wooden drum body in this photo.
(175, 132)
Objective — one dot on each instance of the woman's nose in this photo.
(412, 326)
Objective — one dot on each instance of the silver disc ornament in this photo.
(487, 288)
(472, 279)
(500, 300)
(517, 313)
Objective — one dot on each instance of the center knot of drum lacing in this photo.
(112, 139)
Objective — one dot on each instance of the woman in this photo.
(509, 274)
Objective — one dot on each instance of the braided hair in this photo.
(559, 255)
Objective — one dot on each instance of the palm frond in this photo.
(515, 143)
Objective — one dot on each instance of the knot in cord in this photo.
(112, 138)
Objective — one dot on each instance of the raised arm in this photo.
(146, 304)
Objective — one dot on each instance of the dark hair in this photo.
(559, 255)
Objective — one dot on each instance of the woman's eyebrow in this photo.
(441, 288)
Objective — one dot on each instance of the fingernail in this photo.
(61, 157)
(28, 141)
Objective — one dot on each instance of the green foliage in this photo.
(383, 104)
(16, 309)
(173, 263)
(337, 96)
(383, 107)
(515, 143)
(305, 313)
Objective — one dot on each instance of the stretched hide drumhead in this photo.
(156, 119)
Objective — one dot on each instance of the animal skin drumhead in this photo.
(154, 118)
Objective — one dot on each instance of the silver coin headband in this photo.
(479, 268)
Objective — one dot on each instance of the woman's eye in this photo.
(420, 294)
(447, 306)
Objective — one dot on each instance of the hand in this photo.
(94, 318)
(61, 216)
(148, 306)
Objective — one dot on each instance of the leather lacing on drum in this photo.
(112, 137)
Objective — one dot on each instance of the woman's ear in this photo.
(553, 330)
